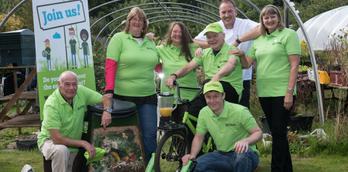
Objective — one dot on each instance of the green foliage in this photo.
(99, 66)
(22, 18)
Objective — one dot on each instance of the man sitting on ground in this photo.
(233, 129)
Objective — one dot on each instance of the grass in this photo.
(13, 161)
(321, 163)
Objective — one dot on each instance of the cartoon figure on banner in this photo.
(47, 54)
(84, 45)
(72, 43)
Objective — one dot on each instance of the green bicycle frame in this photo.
(187, 119)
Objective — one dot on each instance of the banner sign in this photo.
(62, 42)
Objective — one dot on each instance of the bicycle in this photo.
(175, 142)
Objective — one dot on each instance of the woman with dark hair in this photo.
(277, 53)
(178, 50)
(129, 74)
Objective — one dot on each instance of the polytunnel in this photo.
(326, 26)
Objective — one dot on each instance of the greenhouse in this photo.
(326, 26)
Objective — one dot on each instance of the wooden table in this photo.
(21, 118)
(340, 95)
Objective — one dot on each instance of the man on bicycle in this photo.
(218, 65)
(233, 129)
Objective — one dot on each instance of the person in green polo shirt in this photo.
(129, 75)
(177, 51)
(277, 54)
(234, 131)
(62, 124)
(218, 65)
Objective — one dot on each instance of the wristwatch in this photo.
(108, 110)
(290, 90)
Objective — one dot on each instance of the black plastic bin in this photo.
(123, 113)
(121, 139)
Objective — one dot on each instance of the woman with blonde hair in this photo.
(277, 53)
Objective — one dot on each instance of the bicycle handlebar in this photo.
(177, 88)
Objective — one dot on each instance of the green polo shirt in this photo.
(212, 64)
(232, 125)
(271, 53)
(172, 60)
(136, 62)
(58, 114)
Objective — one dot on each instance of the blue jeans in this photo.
(220, 162)
(148, 127)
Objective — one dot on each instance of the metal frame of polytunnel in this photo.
(167, 14)
(291, 6)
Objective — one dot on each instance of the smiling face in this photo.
(68, 86)
(215, 40)
(176, 35)
(270, 21)
(136, 26)
(215, 101)
(227, 14)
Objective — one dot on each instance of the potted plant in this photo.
(337, 53)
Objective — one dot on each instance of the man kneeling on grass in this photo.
(233, 129)
(62, 124)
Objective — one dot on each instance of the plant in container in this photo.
(337, 52)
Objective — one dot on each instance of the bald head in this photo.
(67, 74)
(67, 84)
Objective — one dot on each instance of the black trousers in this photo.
(245, 94)
(278, 117)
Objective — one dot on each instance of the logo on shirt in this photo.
(229, 125)
(275, 42)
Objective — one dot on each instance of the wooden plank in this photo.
(17, 94)
(32, 120)
(26, 95)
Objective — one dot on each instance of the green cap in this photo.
(213, 27)
(213, 86)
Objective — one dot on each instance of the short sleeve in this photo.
(251, 52)
(198, 60)
(201, 127)
(248, 121)
(51, 117)
(292, 45)
(92, 97)
(114, 48)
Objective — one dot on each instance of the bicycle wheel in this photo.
(170, 149)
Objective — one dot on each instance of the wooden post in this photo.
(17, 94)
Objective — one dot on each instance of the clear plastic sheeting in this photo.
(324, 26)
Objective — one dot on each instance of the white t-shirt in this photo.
(240, 27)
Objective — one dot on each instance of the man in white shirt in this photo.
(234, 28)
